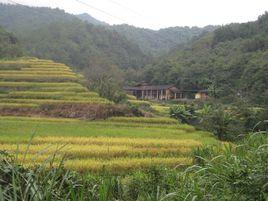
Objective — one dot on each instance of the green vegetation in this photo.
(231, 62)
(91, 141)
(115, 145)
(9, 45)
(227, 173)
(53, 34)
(29, 86)
(152, 42)
(22, 127)
(158, 43)
(228, 122)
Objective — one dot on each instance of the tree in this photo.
(106, 79)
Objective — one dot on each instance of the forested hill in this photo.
(53, 34)
(9, 45)
(232, 62)
(18, 18)
(88, 18)
(157, 43)
(151, 42)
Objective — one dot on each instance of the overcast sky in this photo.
(157, 14)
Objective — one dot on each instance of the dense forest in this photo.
(53, 34)
(9, 45)
(68, 38)
(152, 42)
(158, 43)
(232, 62)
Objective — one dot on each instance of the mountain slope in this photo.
(159, 42)
(82, 45)
(53, 34)
(18, 18)
(152, 42)
(88, 18)
(9, 45)
(232, 62)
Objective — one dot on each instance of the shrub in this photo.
(183, 113)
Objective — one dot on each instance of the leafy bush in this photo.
(227, 122)
(183, 113)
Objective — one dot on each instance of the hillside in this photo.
(85, 44)
(32, 87)
(19, 19)
(151, 42)
(88, 18)
(161, 42)
(231, 62)
(9, 45)
(53, 34)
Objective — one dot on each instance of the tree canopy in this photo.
(232, 62)
(9, 45)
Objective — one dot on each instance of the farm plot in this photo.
(29, 85)
(116, 145)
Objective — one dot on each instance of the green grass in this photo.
(19, 128)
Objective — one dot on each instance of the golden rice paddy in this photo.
(115, 145)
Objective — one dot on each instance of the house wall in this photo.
(154, 94)
(201, 96)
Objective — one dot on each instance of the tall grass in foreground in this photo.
(238, 172)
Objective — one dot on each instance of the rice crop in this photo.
(43, 69)
(140, 102)
(111, 141)
(39, 78)
(160, 109)
(110, 157)
(18, 105)
(114, 145)
(36, 72)
(30, 82)
(54, 101)
(157, 120)
(51, 95)
(22, 127)
(97, 151)
(39, 84)
(124, 164)
(131, 97)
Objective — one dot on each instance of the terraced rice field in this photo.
(41, 89)
(116, 145)
(31, 82)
